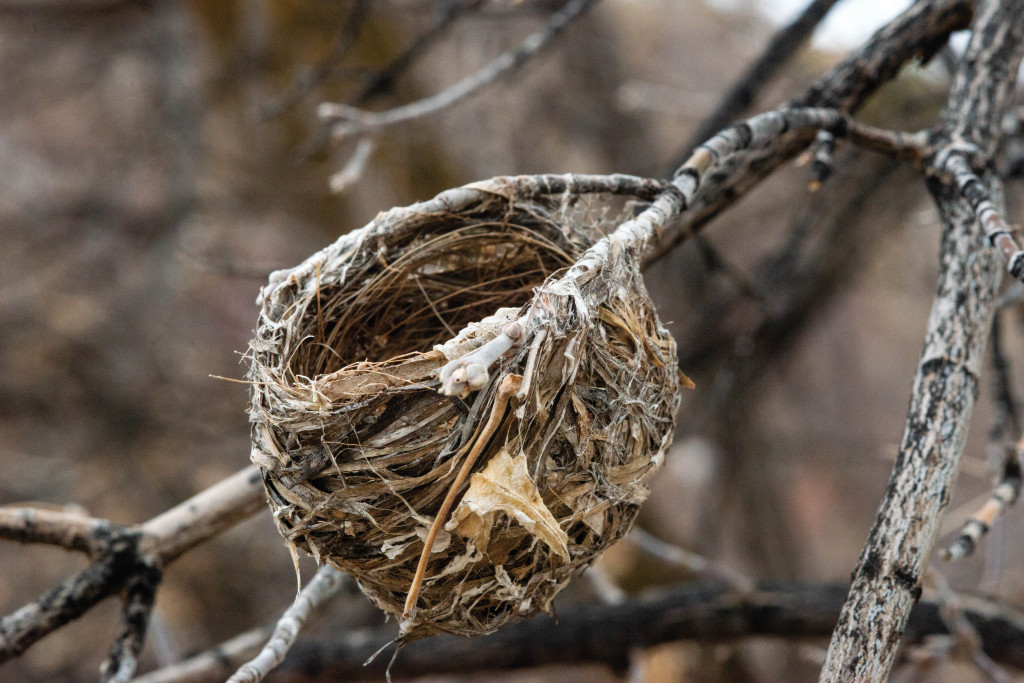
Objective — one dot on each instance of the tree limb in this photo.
(917, 33)
(608, 634)
(130, 557)
(946, 385)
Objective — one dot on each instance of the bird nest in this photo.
(469, 374)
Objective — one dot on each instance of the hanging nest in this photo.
(474, 328)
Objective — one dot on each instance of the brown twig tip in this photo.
(509, 387)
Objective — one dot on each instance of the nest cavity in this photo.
(358, 449)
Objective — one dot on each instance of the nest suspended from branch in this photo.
(484, 331)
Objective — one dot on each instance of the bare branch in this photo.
(349, 120)
(610, 633)
(322, 587)
(1005, 494)
(917, 33)
(70, 530)
(897, 551)
(314, 76)
(140, 593)
(698, 564)
(204, 515)
(783, 45)
(129, 556)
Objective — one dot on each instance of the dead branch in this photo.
(321, 588)
(917, 33)
(131, 558)
(348, 120)
(946, 384)
(607, 634)
(68, 530)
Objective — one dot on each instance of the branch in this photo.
(707, 613)
(69, 530)
(129, 557)
(917, 33)
(742, 92)
(350, 120)
(317, 75)
(321, 588)
(900, 543)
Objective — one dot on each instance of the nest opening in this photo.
(428, 286)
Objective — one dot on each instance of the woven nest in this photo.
(359, 449)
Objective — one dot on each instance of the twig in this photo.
(715, 262)
(322, 587)
(140, 593)
(215, 664)
(997, 232)
(942, 399)
(506, 390)
(918, 32)
(963, 633)
(607, 591)
(742, 92)
(314, 76)
(1004, 422)
(892, 142)
(350, 120)
(822, 160)
(1004, 495)
(352, 171)
(383, 80)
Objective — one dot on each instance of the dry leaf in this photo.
(505, 486)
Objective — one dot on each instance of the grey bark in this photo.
(886, 582)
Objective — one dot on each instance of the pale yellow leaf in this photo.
(505, 486)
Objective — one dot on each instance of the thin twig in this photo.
(350, 120)
(963, 632)
(314, 76)
(353, 169)
(322, 587)
(998, 233)
(506, 390)
(384, 79)
(1005, 494)
(140, 593)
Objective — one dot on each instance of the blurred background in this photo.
(160, 159)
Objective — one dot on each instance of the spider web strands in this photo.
(327, 582)
(351, 120)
